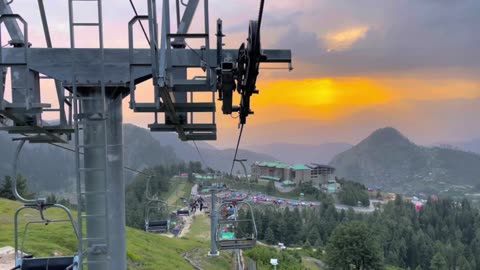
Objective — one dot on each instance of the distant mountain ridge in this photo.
(302, 153)
(467, 146)
(390, 160)
(217, 159)
(51, 168)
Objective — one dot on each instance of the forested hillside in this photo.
(444, 232)
(389, 160)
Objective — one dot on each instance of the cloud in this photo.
(344, 39)
(401, 36)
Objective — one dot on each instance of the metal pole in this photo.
(116, 184)
(11, 24)
(114, 231)
(213, 227)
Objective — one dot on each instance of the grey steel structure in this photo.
(90, 85)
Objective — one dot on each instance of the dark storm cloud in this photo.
(403, 35)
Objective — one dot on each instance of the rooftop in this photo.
(266, 177)
(274, 164)
(300, 167)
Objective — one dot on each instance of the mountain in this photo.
(468, 146)
(44, 165)
(302, 153)
(390, 160)
(217, 159)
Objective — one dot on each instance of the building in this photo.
(321, 174)
(271, 171)
(299, 173)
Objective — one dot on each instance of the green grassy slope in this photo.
(144, 250)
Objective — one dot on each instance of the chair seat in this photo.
(236, 244)
(183, 213)
(53, 263)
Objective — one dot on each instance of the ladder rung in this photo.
(93, 239)
(91, 169)
(51, 110)
(93, 216)
(85, 24)
(92, 192)
(95, 262)
(91, 146)
(188, 35)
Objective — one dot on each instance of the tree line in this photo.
(352, 193)
(443, 235)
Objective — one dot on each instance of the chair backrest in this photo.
(53, 263)
(183, 213)
(156, 223)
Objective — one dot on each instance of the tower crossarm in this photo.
(57, 63)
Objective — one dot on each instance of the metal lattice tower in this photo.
(90, 85)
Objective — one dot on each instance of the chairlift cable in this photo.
(200, 154)
(81, 153)
(236, 149)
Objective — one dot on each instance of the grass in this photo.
(200, 233)
(144, 251)
(309, 264)
(180, 189)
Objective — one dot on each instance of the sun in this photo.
(323, 92)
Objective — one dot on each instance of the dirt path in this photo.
(7, 258)
(188, 223)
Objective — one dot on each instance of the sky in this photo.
(358, 66)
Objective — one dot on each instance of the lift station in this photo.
(90, 85)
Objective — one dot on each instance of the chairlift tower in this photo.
(90, 86)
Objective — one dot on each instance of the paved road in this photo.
(339, 207)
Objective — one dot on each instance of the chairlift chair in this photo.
(236, 233)
(23, 262)
(154, 204)
(183, 213)
(157, 225)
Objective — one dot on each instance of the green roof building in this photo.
(297, 173)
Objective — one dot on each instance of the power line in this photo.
(200, 154)
(260, 14)
(141, 24)
(236, 149)
(124, 167)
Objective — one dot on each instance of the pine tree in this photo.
(269, 236)
(438, 262)
(365, 255)
(6, 188)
